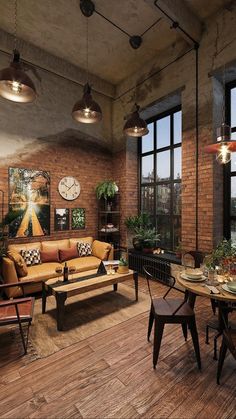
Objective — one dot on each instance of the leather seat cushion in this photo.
(8, 313)
(85, 263)
(42, 272)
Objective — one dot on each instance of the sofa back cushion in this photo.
(31, 256)
(55, 245)
(49, 256)
(20, 265)
(84, 249)
(68, 254)
(74, 241)
(24, 246)
(101, 249)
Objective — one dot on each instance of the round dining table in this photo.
(226, 301)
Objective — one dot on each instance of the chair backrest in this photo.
(158, 275)
(193, 259)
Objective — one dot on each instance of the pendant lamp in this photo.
(135, 126)
(224, 145)
(86, 110)
(15, 84)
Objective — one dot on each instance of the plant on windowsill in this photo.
(222, 255)
(123, 267)
(132, 223)
(147, 238)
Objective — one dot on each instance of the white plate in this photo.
(224, 287)
(184, 276)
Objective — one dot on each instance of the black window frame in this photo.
(171, 181)
(227, 168)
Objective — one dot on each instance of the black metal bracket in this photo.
(88, 8)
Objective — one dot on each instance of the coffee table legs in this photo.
(115, 287)
(135, 276)
(60, 299)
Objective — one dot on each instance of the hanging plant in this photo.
(106, 189)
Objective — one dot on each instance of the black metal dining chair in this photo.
(165, 310)
(228, 343)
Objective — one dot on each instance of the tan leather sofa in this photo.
(45, 271)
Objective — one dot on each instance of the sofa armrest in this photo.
(10, 276)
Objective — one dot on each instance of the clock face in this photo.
(69, 188)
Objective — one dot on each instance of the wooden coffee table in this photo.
(82, 282)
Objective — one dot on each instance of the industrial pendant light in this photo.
(15, 85)
(224, 145)
(87, 110)
(135, 126)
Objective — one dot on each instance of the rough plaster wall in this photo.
(216, 49)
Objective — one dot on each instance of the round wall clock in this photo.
(69, 188)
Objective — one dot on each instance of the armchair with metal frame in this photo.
(18, 311)
(169, 311)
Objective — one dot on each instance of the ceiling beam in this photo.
(180, 13)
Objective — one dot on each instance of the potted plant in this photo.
(123, 267)
(7, 220)
(106, 189)
(132, 223)
(147, 238)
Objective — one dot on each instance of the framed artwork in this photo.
(77, 218)
(29, 202)
(61, 219)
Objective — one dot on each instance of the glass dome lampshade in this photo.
(87, 110)
(135, 126)
(15, 84)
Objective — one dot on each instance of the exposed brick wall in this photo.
(88, 164)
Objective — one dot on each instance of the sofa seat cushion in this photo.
(86, 263)
(42, 272)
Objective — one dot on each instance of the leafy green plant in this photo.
(123, 262)
(136, 221)
(106, 189)
(225, 249)
(7, 220)
(147, 236)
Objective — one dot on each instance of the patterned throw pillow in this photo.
(84, 249)
(31, 257)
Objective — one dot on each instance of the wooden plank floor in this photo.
(110, 375)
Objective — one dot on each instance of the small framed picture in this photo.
(78, 218)
(61, 219)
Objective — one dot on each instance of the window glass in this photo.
(233, 107)
(177, 127)
(177, 163)
(233, 230)
(163, 165)
(163, 228)
(163, 199)
(163, 132)
(233, 195)
(147, 169)
(148, 140)
(177, 198)
(147, 199)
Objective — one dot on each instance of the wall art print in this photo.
(29, 202)
(61, 219)
(78, 218)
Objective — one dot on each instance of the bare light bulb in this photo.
(15, 86)
(223, 155)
